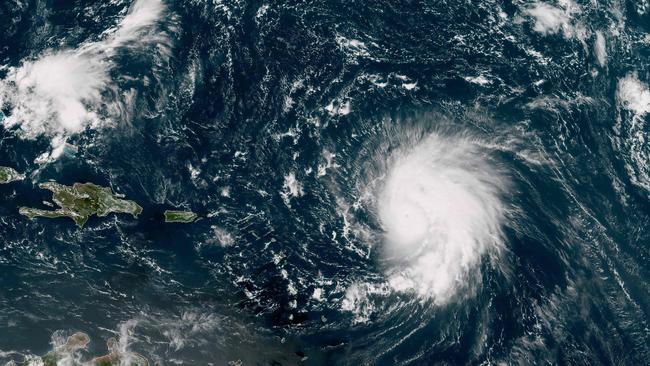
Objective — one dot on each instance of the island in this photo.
(180, 216)
(115, 357)
(8, 175)
(79, 341)
(82, 200)
(75, 342)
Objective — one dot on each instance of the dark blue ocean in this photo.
(389, 182)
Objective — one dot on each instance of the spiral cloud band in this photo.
(441, 209)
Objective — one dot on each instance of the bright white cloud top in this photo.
(60, 93)
(442, 212)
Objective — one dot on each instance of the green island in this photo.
(82, 200)
(79, 341)
(8, 175)
(180, 216)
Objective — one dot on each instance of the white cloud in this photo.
(600, 48)
(60, 93)
(441, 212)
(634, 95)
(549, 19)
(291, 188)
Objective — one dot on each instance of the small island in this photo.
(180, 216)
(82, 200)
(8, 175)
(79, 341)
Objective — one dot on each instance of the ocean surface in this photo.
(386, 182)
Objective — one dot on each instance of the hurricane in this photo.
(441, 209)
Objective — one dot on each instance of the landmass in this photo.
(180, 216)
(8, 175)
(79, 341)
(116, 358)
(82, 200)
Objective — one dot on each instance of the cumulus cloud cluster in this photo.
(60, 93)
